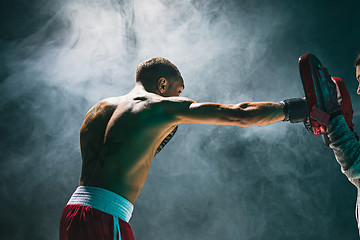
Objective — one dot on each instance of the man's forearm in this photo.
(261, 113)
(346, 147)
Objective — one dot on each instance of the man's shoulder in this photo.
(170, 100)
(112, 100)
(152, 98)
(147, 101)
(170, 105)
(111, 103)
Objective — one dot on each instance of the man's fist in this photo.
(295, 109)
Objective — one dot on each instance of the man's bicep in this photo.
(208, 113)
(175, 108)
(198, 113)
(185, 110)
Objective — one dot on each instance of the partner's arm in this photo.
(345, 146)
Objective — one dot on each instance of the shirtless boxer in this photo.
(338, 128)
(120, 136)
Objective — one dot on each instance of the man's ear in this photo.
(162, 85)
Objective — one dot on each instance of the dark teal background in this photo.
(210, 182)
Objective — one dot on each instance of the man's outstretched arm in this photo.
(243, 114)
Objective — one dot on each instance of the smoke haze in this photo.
(210, 182)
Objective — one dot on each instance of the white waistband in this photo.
(103, 200)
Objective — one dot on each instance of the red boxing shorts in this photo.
(96, 214)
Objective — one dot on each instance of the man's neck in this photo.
(139, 88)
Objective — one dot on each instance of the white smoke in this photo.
(210, 182)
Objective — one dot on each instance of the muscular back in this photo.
(119, 138)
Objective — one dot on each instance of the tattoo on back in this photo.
(112, 146)
(92, 152)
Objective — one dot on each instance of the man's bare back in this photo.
(119, 138)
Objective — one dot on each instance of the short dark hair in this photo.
(357, 60)
(155, 68)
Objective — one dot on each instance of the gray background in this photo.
(58, 58)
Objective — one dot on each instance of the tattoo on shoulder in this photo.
(93, 152)
(93, 111)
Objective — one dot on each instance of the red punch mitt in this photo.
(320, 93)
